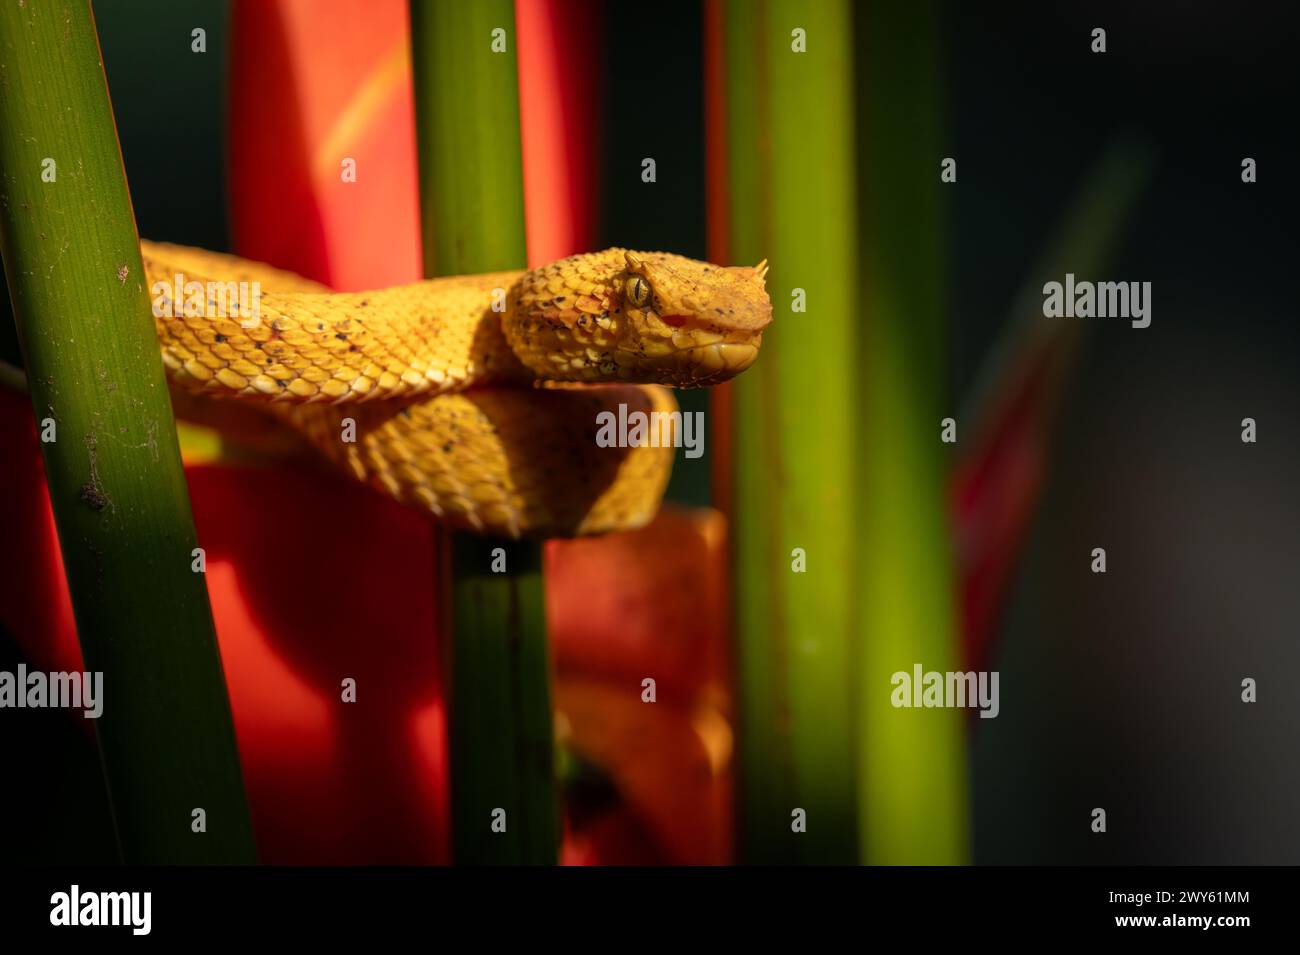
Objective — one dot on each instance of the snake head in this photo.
(647, 317)
(688, 323)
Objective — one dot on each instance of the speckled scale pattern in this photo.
(426, 338)
(511, 462)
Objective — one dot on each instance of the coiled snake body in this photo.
(474, 398)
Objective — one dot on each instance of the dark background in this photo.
(1119, 691)
(1123, 691)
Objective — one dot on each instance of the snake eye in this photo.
(637, 290)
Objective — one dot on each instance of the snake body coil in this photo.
(475, 398)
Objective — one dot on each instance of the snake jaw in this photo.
(703, 366)
(685, 353)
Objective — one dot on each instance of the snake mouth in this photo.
(693, 366)
(722, 358)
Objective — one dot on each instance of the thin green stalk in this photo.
(472, 210)
(790, 113)
(911, 762)
(72, 260)
(833, 169)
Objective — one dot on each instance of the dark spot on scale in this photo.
(341, 336)
(405, 412)
(353, 348)
(446, 448)
(718, 310)
(282, 382)
(320, 326)
(219, 338)
(363, 303)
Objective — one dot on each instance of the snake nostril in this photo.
(674, 321)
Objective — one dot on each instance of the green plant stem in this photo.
(911, 762)
(795, 468)
(837, 456)
(472, 211)
(72, 260)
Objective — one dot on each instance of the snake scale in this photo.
(474, 398)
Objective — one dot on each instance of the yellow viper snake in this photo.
(475, 398)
